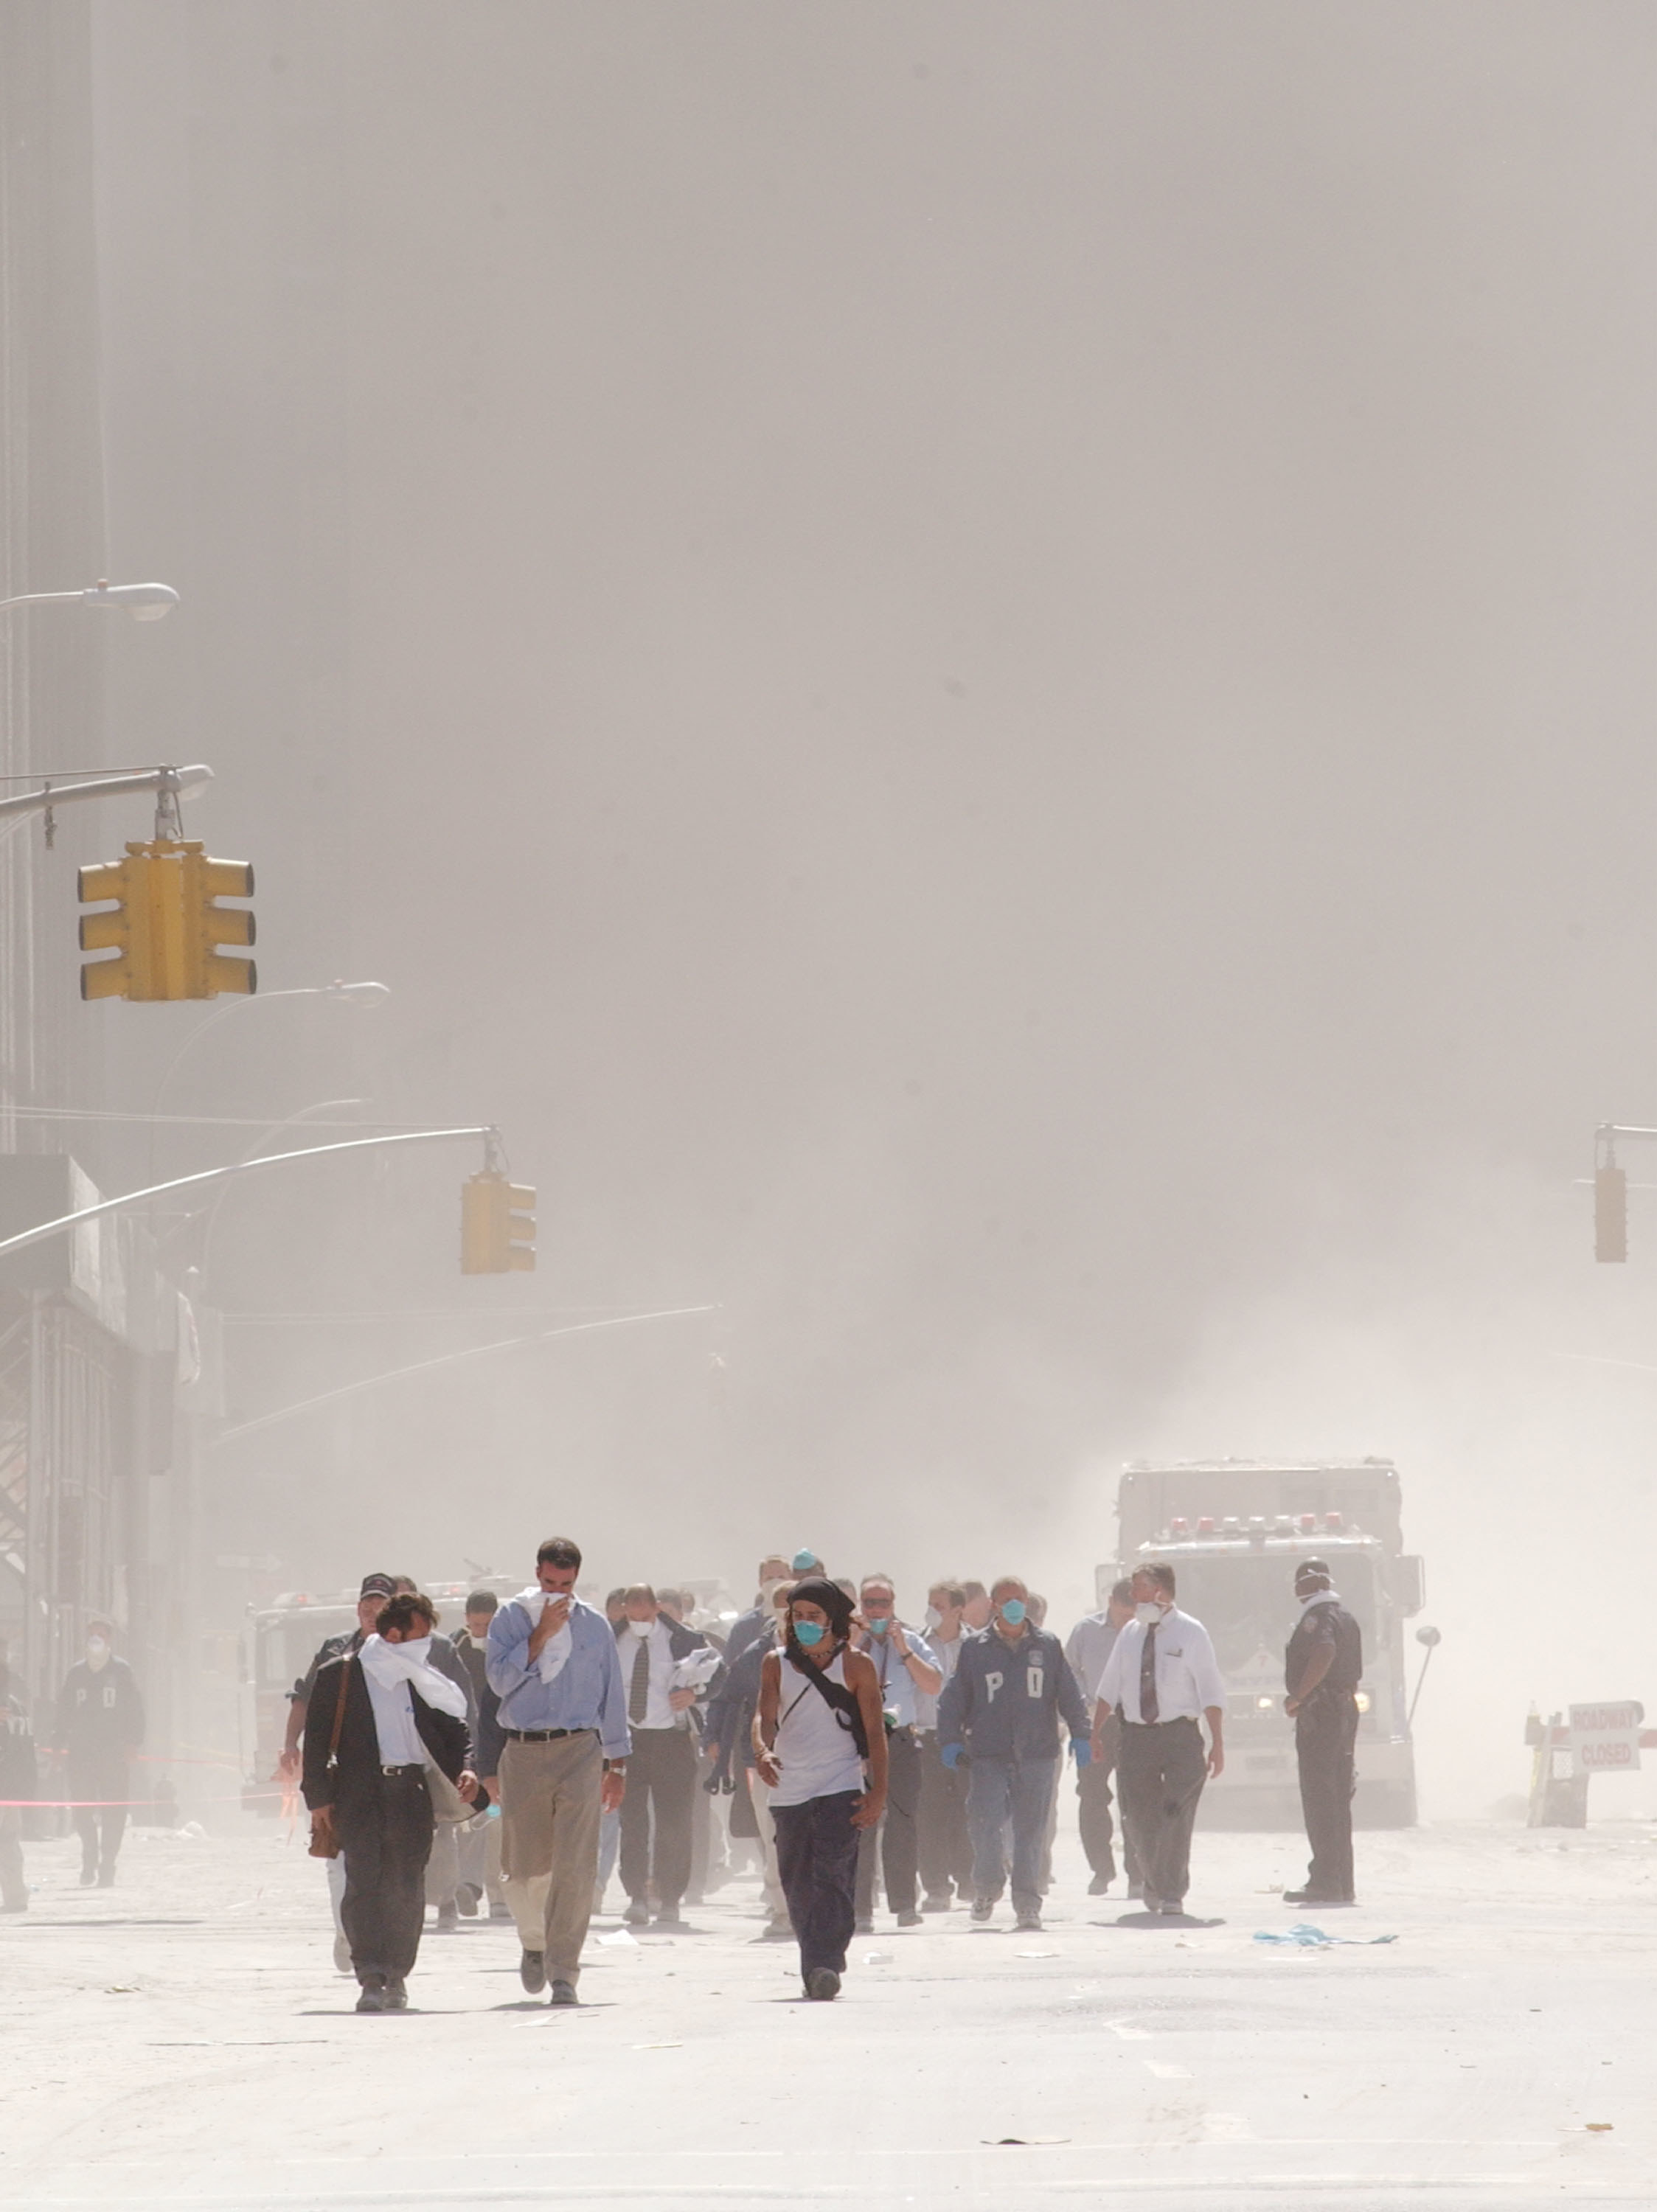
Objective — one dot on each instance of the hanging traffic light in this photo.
(498, 1225)
(166, 923)
(1610, 1213)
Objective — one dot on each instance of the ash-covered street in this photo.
(183, 2039)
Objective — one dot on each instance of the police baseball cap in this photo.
(1303, 1568)
(377, 1586)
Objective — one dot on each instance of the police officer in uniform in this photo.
(1323, 1666)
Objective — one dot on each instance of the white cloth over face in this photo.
(555, 1653)
(388, 1664)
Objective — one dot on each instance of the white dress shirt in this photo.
(658, 1713)
(393, 1723)
(1188, 1676)
(947, 1656)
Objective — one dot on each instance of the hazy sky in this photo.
(987, 672)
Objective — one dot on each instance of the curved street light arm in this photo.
(45, 1229)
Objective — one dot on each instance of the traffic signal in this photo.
(1610, 1213)
(166, 923)
(498, 1225)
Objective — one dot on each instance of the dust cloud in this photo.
(985, 672)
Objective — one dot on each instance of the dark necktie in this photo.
(1148, 1677)
(638, 1693)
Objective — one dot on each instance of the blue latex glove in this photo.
(951, 1755)
(1081, 1751)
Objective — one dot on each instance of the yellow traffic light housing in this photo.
(498, 1225)
(166, 923)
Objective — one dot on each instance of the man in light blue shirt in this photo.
(551, 1662)
(908, 1674)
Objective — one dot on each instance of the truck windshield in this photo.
(1245, 1601)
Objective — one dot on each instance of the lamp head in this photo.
(143, 602)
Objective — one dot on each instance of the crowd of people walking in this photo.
(555, 1739)
(517, 1767)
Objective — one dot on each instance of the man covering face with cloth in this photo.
(385, 1733)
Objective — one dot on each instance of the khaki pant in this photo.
(550, 1845)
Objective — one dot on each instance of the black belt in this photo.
(417, 1766)
(544, 1736)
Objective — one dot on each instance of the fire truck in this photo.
(283, 1639)
(1232, 1530)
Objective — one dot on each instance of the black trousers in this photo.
(944, 1841)
(897, 1836)
(385, 1838)
(1162, 1768)
(1326, 1737)
(817, 1865)
(100, 1825)
(1098, 1831)
(660, 1776)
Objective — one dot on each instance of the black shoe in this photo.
(563, 1993)
(670, 1916)
(106, 1876)
(937, 1905)
(1138, 1889)
(982, 1908)
(909, 1919)
(1312, 1897)
(822, 1983)
(397, 1996)
(89, 1875)
(447, 1918)
(1173, 1908)
(500, 1911)
(532, 1971)
(864, 1927)
(467, 1899)
(374, 1997)
(637, 1913)
(1100, 1884)
(1029, 1924)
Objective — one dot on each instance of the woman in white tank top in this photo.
(817, 1699)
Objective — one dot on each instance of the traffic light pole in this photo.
(1611, 1187)
(208, 1176)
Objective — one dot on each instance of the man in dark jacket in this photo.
(376, 1720)
(656, 1656)
(17, 1779)
(1003, 1705)
(1323, 1666)
(481, 1847)
(100, 1725)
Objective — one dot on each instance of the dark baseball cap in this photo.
(1303, 1567)
(377, 1586)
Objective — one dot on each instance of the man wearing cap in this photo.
(1323, 1666)
(370, 1599)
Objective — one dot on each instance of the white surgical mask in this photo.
(641, 1628)
(1149, 1611)
(933, 1618)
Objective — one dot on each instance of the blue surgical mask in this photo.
(808, 1633)
(878, 1627)
(1012, 1611)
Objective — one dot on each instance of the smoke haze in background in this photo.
(985, 671)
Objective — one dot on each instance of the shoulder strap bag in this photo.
(325, 1842)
